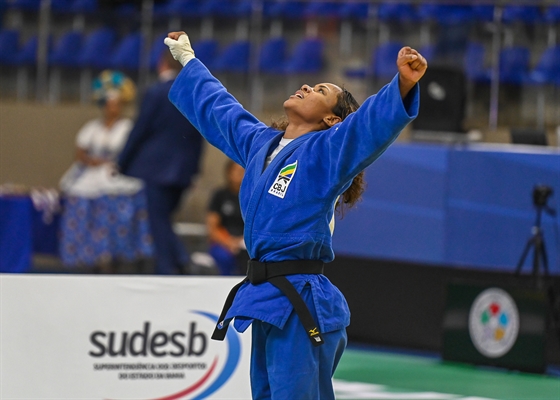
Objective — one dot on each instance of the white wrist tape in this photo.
(180, 49)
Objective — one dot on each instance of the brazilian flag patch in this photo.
(282, 181)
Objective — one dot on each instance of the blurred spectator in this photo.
(225, 224)
(164, 150)
(104, 217)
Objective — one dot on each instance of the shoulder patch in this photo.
(282, 181)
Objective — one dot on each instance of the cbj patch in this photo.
(282, 181)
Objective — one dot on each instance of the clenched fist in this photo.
(180, 46)
(412, 66)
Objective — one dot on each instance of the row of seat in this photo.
(100, 49)
(288, 9)
(514, 67)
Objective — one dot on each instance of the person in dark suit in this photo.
(164, 150)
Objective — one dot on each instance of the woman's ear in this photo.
(331, 120)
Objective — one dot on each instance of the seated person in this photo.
(225, 224)
(104, 217)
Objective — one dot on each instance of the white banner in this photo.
(118, 337)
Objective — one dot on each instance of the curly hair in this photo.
(345, 105)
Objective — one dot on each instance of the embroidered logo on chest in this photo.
(282, 181)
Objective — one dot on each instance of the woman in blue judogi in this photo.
(294, 178)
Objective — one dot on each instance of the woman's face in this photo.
(312, 104)
(113, 107)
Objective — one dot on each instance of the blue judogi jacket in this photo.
(288, 208)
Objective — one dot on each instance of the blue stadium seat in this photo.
(429, 52)
(74, 6)
(206, 51)
(526, 14)
(552, 14)
(244, 8)
(9, 46)
(272, 56)
(61, 6)
(307, 57)
(454, 23)
(24, 5)
(228, 8)
(212, 8)
(84, 6)
(483, 12)
(160, 9)
(547, 69)
(3, 7)
(322, 8)
(202, 9)
(182, 8)
(514, 65)
(67, 50)
(158, 47)
(382, 63)
(445, 14)
(97, 49)
(209, 8)
(354, 10)
(127, 53)
(27, 55)
(474, 64)
(234, 58)
(396, 12)
(384, 60)
(284, 9)
(128, 11)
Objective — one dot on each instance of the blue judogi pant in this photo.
(285, 365)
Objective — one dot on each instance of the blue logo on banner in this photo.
(234, 353)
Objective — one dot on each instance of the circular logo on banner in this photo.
(493, 322)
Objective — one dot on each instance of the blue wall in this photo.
(453, 205)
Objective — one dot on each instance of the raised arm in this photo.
(216, 114)
(364, 135)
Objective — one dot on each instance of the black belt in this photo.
(275, 273)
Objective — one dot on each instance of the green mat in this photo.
(379, 375)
